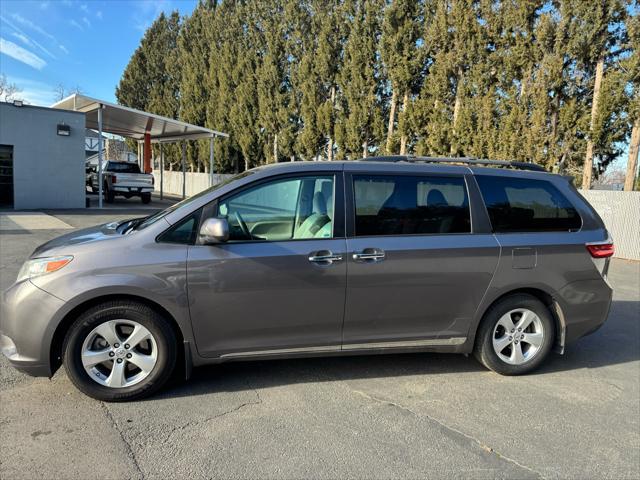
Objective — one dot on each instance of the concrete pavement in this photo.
(390, 416)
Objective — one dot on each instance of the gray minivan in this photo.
(383, 255)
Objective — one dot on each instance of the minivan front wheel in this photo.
(516, 335)
(119, 351)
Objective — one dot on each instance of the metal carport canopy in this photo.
(132, 123)
(136, 124)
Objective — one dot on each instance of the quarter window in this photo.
(526, 205)
(405, 205)
(184, 232)
(288, 209)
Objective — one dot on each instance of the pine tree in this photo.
(345, 78)
(511, 30)
(225, 31)
(631, 65)
(399, 51)
(328, 62)
(244, 108)
(596, 31)
(152, 77)
(305, 84)
(359, 128)
(271, 73)
(194, 51)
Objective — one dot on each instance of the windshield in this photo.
(184, 204)
(123, 167)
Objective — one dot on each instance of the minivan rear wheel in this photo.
(119, 350)
(515, 336)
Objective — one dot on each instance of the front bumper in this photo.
(27, 323)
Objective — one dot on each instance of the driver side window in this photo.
(287, 209)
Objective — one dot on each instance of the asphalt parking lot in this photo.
(392, 416)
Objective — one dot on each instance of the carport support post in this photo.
(211, 168)
(161, 171)
(100, 156)
(184, 169)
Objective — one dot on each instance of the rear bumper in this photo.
(585, 306)
(26, 327)
(132, 190)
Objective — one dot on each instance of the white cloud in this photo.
(64, 49)
(84, 8)
(68, 3)
(26, 39)
(75, 24)
(20, 54)
(44, 5)
(23, 38)
(99, 14)
(86, 22)
(28, 23)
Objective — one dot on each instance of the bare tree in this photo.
(8, 91)
(61, 92)
(58, 91)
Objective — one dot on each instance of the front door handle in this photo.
(324, 257)
(369, 255)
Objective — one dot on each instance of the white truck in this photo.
(123, 178)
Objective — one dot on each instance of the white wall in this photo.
(48, 169)
(620, 212)
(195, 182)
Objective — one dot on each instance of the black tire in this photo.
(162, 332)
(146, 197)
(109, 196)
(484, 351)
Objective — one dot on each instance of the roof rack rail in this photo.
(465, 160)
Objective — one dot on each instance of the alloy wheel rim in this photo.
(119, 353)
(518, 336)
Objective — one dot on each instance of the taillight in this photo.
(600, 250)
(113, 179)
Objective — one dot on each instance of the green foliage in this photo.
(319, 79)
(360, 123)
(194, 52)
(151, 80)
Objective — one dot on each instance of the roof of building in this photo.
(131, 123)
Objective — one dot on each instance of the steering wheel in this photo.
(243, 225)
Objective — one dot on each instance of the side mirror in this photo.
(214, 230)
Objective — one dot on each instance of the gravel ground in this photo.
(391, 416)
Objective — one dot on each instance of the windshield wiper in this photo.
(128, 225)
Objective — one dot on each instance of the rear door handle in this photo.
(324, 257)
(369, 255)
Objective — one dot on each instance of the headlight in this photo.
(41, 266)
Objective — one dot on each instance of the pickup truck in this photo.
(123, 178)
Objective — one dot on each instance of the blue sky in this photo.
(85, 43)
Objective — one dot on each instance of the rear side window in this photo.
(525, 205)
(123, 167)
(406, 205)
